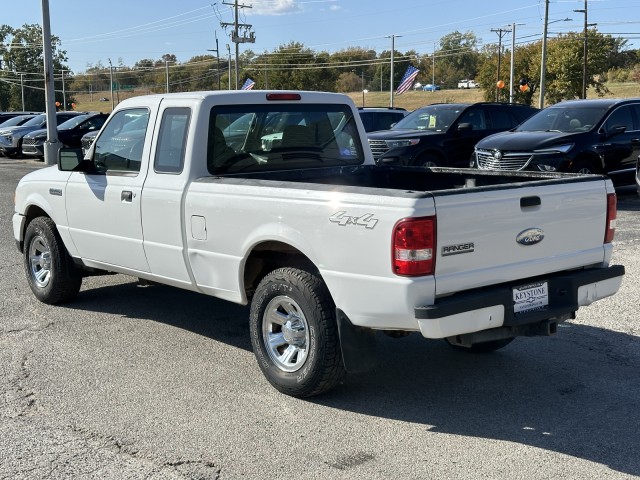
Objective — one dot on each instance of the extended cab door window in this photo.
(172, 140)
(119, 146)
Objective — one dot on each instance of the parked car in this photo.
(444, 134)
(380, 118)
(4, 116)
(17, 120)
(69, 133)
(429, 87)
(638, 174)
(585, 136)
(87, 140)
(11, 137)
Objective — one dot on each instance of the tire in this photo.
(427, 161)
(583, 166)
(50, 272)
(484, 347)
(294, 333)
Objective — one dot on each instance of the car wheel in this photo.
(294, 333)
(428, 161)
(51, 274)
(484, 347)
(583, 166)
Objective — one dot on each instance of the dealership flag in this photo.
(248, 84)
(409, 76)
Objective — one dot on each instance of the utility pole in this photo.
(22, 89)
(64, 94)
(218, 59)
(512, 63)
(543, 62)
(433, 68)
(501, 33)
(235, 34)
(229, 65)
(393, 48)
(166, 75)
(113, 105)
(584, 51)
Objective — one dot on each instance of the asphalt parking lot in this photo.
(136, 382)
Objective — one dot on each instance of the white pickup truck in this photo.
(273, 198)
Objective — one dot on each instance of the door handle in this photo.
(126, 196)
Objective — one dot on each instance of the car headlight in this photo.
(554, 150)
(40, 138)
(405, 142)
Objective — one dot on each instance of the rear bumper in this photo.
(492, 307)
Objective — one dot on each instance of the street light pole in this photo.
(362, 78)
(543, 62)
(393, 48)
(52, 145)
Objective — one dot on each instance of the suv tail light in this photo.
(414, 247)
(612, 212)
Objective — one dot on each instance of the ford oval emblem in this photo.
(530, 236)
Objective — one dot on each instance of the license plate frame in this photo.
(530, 297)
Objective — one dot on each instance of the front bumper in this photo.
(33, 150)
(493, 307)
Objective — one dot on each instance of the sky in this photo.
(130, 30)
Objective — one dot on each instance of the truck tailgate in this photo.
(489, 236)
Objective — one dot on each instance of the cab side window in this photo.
(475, 117)
(172, 140)
(119, 146)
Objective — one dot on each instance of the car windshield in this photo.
(36, 121)
(15, 121)
(565, 119)
(72, 122)
(436, 118)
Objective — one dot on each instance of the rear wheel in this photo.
(50, 272)
(294, 333)
(484, 347)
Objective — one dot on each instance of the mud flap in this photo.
(358, 345)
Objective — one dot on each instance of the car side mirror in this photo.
(69, 159)
(462, 127)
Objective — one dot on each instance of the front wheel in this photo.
(428, 161)
(294, 333)
(584, 167)
(50, 272)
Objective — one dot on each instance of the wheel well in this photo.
(428, 153)
(32, 212)
(592, 160)
(268, 256)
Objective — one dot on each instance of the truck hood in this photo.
(395, 134)
(525, 140)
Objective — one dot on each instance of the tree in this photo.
(21, 50)
(458, 57)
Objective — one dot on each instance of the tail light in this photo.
(414, 247)
(612, 211)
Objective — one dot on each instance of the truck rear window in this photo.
(251, 138)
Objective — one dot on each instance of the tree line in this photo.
(294, 66)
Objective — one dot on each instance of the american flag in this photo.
(409, 76)
(248, 84)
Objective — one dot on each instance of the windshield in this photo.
(564, 119)
(15, 121)
(275, 137)
(436, 118)
(36, 121)
(72, 122)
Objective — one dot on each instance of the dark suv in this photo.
(443, 135)
(380, 118)
(584, 136)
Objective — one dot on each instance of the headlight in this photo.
(40, 138)
(554, 150)
(406, 142)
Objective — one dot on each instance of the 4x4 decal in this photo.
(365, 220)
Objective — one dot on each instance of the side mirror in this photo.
(616, 130)
(69, 159)
(464, 127)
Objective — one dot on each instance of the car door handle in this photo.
(126, 196)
